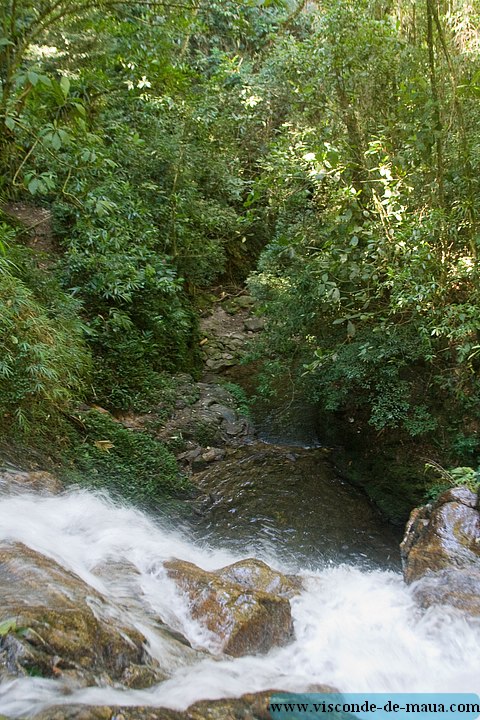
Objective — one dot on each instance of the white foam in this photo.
(359, 631)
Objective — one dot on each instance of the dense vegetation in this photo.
(176, 144)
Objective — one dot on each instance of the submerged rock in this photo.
(253, 706)
(16, 481)
(451, 586)
(55, 625)
(244, 617)
(441, 551)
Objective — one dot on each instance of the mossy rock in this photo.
(50, 630)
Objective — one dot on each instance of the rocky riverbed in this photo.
(96, 603)
(115, 614)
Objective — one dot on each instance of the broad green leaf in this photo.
(56, 141)
(65, 85)
(33, 186)
(79, 108)
(32, 77)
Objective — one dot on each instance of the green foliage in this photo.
(174, 144)
(240, 397)
(142, 391)
(454, 477)
(7, 626)
(139, 321)
(132, 465)
(370, 281)
(43, 361)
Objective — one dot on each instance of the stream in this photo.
(357, 628)
(286, 504)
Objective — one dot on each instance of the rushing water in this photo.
(358, 630)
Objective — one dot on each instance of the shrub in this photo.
(132, 465)
(43, 357)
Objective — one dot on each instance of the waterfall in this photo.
(356, 629)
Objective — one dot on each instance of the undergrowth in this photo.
(129, 464)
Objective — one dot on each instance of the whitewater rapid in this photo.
(357, 630)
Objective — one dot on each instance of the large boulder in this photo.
(244, 606)
(53, 624)
(441, 551)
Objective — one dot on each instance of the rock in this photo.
(190, 455)
(213, 454)
(441, 551)
(34, 481)
(244, 301)
(458, 494)
(223, 413)
(220, 364)
(240, 427)
(50, 628)
(87, 712)
(243, 620)
(253, 706)
(255, 574)
(212, 420)
(231, 307)
(446, 534)
(254, 324)
(210, 455)
(459, 588)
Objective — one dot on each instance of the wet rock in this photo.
(253, 706)
(458, 494)
(446, 534)
(12, 481)
(255, 574)
(458, 588)
(55, 625)
(84, 712)
(243, 619)
(254, 324)
(441, 551)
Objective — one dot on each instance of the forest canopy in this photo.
(328, 150)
